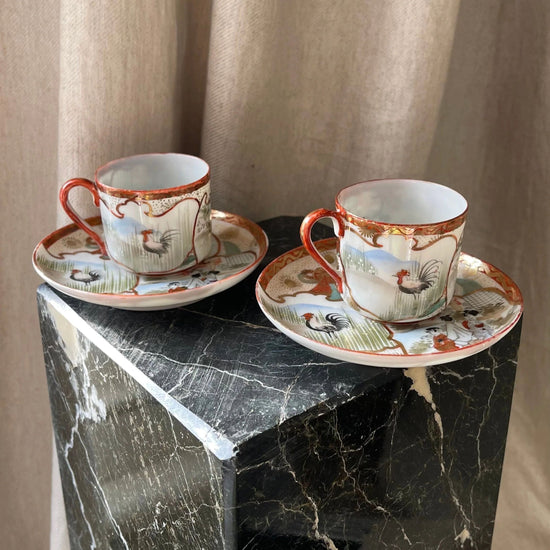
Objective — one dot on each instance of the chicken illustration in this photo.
(160, 246)
(425, 279)
(86, 278)
(335, 323)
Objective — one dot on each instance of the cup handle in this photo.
(64, 199)
(305, 234)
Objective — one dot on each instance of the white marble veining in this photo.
(204, 428)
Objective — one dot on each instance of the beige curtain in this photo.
(288, 101)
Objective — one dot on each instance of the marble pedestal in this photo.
(204, 428)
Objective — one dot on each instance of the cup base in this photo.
(400, 321)
(186, 265)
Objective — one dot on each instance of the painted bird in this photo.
(86, 278)
(425, 279)
(335, 323)
(159, 247)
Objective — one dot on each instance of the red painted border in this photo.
(151, 194)
(379, 227)
(255, 230)
(509, 288)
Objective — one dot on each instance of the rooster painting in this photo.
(335, 323)
(425, 279)
(86, 278)
(160, 246)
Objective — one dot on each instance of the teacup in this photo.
(399, 243)
(155, 211)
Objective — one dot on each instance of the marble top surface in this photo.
(221, 360)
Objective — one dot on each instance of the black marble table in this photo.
(204, 428)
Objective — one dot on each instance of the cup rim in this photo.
(443, 226)
(151, 193)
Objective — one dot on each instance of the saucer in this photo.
(71, 262)
(299, 298)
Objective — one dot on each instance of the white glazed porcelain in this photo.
(303, 301)
(155, 211)
(72, 262)
(399, 244)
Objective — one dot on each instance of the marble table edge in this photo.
(224, 448)
(216, 443)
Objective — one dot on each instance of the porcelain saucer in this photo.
(71, 262)
(300, 298)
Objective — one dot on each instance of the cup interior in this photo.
(152, 172)
(402, 202)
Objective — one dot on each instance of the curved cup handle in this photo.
(305, 234)
(64, 199)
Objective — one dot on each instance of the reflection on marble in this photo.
(133, 477)
(205, 428)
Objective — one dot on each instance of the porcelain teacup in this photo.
(155, 211)
(399, 242)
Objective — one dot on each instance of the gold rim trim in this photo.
(375, 230)
(153, 195)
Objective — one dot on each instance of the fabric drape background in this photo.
(288, 102)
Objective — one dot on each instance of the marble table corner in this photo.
(206, 428)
